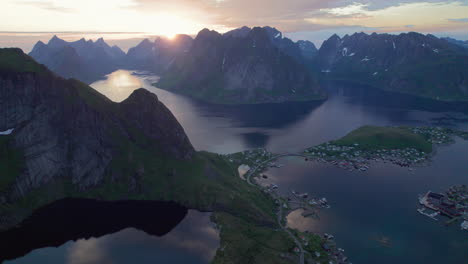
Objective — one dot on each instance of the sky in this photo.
(22, 22)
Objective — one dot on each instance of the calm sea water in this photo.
(381, 203)
(365, 206)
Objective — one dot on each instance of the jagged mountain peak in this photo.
(56, 41)
(55, 38)
(214, 69)
(334, 37)
(145, 43)
(396, 61)
(81, 59)
(241, 32)
(207, 33)
(273, 32)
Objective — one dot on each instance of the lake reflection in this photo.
(112, 232)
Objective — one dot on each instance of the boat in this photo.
(432, 216)
(324, 203)
(464, 225)
(421, 199)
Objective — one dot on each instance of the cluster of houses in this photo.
(250, 157)
(435, 135)
(439, 202)
(453, 203)
(352, 158)
(336, 253)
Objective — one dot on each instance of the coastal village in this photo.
(351, 157)
(310, 247)
(356, 157)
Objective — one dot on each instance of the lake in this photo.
(365, 206)
(89, 232)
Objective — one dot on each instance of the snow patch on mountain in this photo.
(7, 132)
(344, 51)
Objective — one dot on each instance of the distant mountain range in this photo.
(243, 66)
(157, 56)
(83, 60)
(412, 63)
(460, 43)
(260, 65)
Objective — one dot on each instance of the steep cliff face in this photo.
(412, 63)
(242, 66)
(157, 56)
(66, 129)
(83, 60)
(308, 49)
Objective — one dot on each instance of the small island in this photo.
(403, 146)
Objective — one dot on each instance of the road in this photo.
(280, 215)
(261, 165)
(294, 238)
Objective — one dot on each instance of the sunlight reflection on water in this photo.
(118, 85)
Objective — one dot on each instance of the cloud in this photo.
(190, 16)
(235, 13)
(48, 5)
(296, 15)
(459, 20)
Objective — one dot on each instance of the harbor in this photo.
(452, 204)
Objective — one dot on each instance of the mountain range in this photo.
(259, 65)
(246, 65)
(411, 63)
(157, 56)
(460, 43)
(84, 60)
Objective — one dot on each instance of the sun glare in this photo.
(170, 35)
(172, 25)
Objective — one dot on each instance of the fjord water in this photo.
(287, 127)
(365, 206)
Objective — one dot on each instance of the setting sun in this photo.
(169, 25)
(170, 35)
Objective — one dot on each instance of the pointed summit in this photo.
(39, 44)
(56, 42)
(334, 36)
(238, 33)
